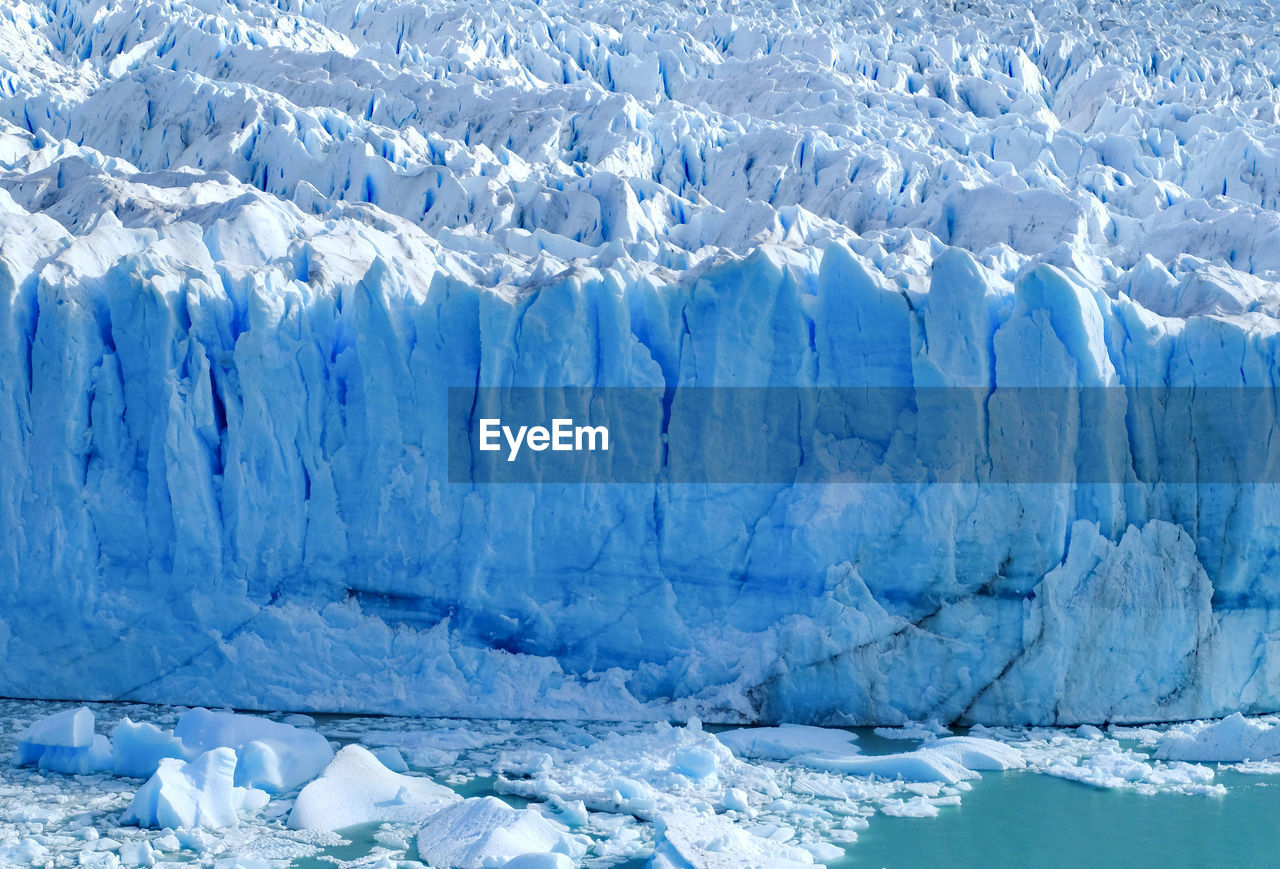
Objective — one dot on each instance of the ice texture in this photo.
(787, 741)
(271, 756)
(357, 789)
(138, 747)
(65, 742)
(1234, 738)
(708, 841)
(201, 793)
(623, 791)
(484, 831)
(246, 246)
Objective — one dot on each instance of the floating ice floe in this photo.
(788, 741)
(1106, 763)
(1234, 738)
(930, 729)
(484, 831)
(65, 742)
(356, 788)
(1113, 768)
(976, 753)
(706, 841)
(271, 756)
(921, 765)
(645, 774)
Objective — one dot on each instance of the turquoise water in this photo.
(1027, 821)
(1023, 820)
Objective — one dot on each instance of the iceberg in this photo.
(138, 747)
(484, 831)
(788, 741)
(356, 788)
(692, 841)
(65, 742)
(1232, 739)
(192, 795)
(270, 756)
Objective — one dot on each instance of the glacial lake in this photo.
(1021, 819)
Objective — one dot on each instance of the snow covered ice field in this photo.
(247, 247)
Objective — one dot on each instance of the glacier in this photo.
(247, 247)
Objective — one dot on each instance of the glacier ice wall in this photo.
(246, 247)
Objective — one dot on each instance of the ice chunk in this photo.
(706, 841)
(137, 854)
(274, 757)
(789, 740)
(64, 742)
(483, 831)
(356, 788)
(72, 728)
(540, 861)
(26, 852)
(138, 747)
(391, 758)
(201, 793)
(696, 761)
(1232, 739)
(915, 807)
(975, 753)
(923, 765)
(914, 730)
(1110, 767)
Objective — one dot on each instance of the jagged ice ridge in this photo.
(245, 248)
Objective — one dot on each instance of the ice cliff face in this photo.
(246, 247)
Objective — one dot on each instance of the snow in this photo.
(234, 293)
(357, 789)
(476, 833)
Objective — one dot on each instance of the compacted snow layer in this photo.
(552, 795)
(245, 247)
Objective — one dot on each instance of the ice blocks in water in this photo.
(195, 794)
(272, 756)
(65, 742)
(1232, 739)
(788, 741)
(705, 841)
(356, 789)
(484, 831)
